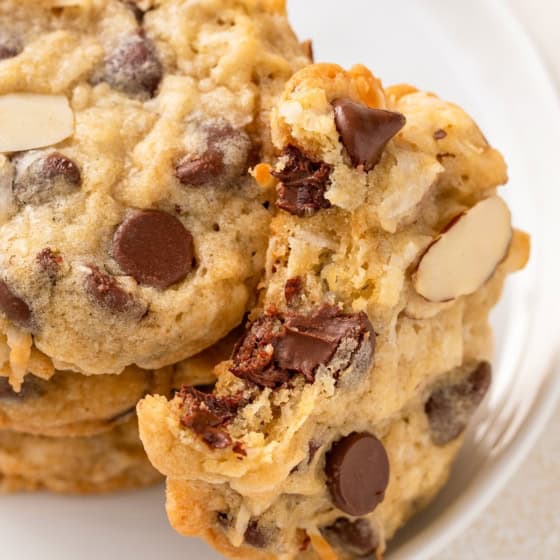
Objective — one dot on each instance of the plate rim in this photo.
(462, 513)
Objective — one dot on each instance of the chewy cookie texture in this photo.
(106, 462)
(345, 401)
(126, 206)
(132, 235)
(70, 404)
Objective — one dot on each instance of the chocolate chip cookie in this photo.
(346, 399)
(131, 229)
(71, 404)
(106, 462)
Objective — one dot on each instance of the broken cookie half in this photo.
(346, 399)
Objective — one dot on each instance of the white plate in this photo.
(476, 54)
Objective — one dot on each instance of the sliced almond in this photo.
(29, 121)
(466, 254)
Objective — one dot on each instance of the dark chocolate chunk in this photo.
(450, 407)
(365, 132)
(253, 356)
(255, 536)
(200, 170)
(293, 291)
(49, 262)
(134, 67)
(353, 536)
(45, 177)
(312, 340)
(208, 415)
(357, 471)
(440, 134)
(303, 183)
(14, 307)
(106, 292)
(277, 347)
(153, 247)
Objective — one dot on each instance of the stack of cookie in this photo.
(170, 167)
(131, 234)
(345, 402)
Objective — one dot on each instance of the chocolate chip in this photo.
(49, 262)
(450, 407)
(208, 415)
(312, 340)
(14, 307)
(10, 45)
(365, 132)
(134, 67)
(224, 144)
(440, 134)
(200, 170)
(57, 165)
(106, 292)
(255, 536)
(293, 291)
(221, 132)
(153, 247)
(40, 177)
(357, 471)
(352, 536)
(277, 347)
(303, 183)
(253, 356)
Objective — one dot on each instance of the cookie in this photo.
(81, 465)
(131, 229)
(346, 399)
(71, 404)
(418, 469)
(198, 371)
